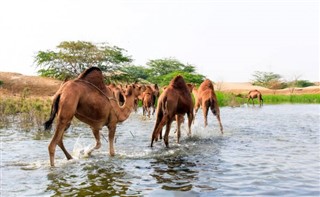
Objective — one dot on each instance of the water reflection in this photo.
(174, 173)
(98, 177)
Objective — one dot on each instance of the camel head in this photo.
(190, 87)
(133, 89)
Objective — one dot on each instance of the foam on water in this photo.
(80, 149)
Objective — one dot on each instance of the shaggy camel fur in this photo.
(175, 100)
(88, 99)
(206, 98)
(255, 94)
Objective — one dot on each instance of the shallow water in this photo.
(272, 150)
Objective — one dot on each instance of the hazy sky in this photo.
(224, 40)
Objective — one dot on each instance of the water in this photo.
(273, 150)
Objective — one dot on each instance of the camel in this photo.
(142, 88)
(206, 98)
(156, 92)
(175, 100)
(255, 94)
(148, 101)
(190, 87)
(118, 93)
(88, 99)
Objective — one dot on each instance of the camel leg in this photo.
(157, 129)
(143, 110)
(219, 120)
(190, 119)
(61, 145)
(112, 131)
(196, 106)
(57, 139)
(179, 121)
(136, 104)
(148, 111)
(154, 109)
(96, 134)
(205, 114)
(216, 112)
(166, 135)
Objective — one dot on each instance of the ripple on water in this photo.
(259, 154)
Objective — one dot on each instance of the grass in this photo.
(304, 98)
(28, 113)
(229, 99)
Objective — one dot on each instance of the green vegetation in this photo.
(303, 83)
(28, 113)
(71, 58)
(229, 99)
(304, 98)
(275, 81)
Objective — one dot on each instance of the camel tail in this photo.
(54, 110)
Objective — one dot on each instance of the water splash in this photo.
(80, 150)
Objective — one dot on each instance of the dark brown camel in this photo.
(255, 94)
(88, 99)
(175, 100)
(206, 98)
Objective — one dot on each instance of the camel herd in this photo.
(96, 104)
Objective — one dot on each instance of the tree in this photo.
(161, 71)
(71, 58)
(135, 73)
(265, 79)
(196, 79)
(160, 67)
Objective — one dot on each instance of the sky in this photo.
(227, 41)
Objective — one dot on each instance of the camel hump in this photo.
(206, 84)
(179, 83)
(255, 90)
(94, 76)
(148, 90)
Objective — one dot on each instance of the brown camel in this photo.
(148, 101)
(118, 93)
(255, 94)
(175, 100)
(156, 92)
(88, 99)
(206, 98)
(142, 88)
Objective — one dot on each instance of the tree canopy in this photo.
(71, 58)
(267, 79)
(161, 71)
